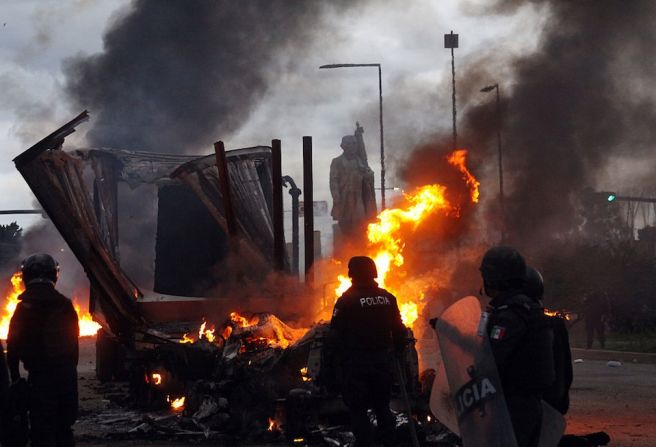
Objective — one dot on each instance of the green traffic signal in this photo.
(611, 197)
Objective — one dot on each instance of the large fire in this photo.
(88, 327)
(386, 235)
(249, 330)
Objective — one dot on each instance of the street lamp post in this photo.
(487, 89)
(451, 42)
(380, 109)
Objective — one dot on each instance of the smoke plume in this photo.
(175, 76)
(575, 103)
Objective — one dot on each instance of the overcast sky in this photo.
(406, 37)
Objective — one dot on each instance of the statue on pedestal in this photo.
(352, 185)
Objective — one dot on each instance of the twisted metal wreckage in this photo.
(248, 377)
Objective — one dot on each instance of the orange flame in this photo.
(385, 235)
(272, 425)
(208, 334)
(304, 374)
(243, 321)
(176, 404)
(88, 327)
(11, 301)
(186, 339)
(203, 333)
(227, 332)
(557, 313)
(385, 238)
(458, 159)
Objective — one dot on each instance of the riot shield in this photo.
(440, 403)
(553, 426)
(476, 393)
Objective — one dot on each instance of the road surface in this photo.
(619, 400)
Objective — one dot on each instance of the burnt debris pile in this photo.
(251, 378)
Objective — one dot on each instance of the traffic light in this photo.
(608, 195)
(599, 198)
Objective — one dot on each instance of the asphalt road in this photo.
(619, 400)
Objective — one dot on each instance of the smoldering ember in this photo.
(264, 246)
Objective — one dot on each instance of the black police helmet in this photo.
(503, 263)
(40, 267)
(534, 286)
(362, 268)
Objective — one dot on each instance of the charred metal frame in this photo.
(224, 184)
(55, 177)
(308, 214)
(278, 222)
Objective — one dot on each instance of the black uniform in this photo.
(557, 395)
(365, 332)
(521, 338)
(4, 390)
(43, 334)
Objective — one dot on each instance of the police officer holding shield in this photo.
(521, 339)
(366, 332)
(43, 334)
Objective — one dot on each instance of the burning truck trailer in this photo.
(252, 374)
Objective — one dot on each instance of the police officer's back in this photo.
(43, 334)
(556, 395)
(521, 339)
(365, 331)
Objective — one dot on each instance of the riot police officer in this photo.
(557, 395)
(43, 334)
(365, 331)
(521, 339)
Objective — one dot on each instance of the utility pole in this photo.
(451, 42)
(502, 205)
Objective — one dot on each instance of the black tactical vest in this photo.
(530, 368)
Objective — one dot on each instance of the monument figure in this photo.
(352, 185)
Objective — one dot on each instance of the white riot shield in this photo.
(441, 403)
(476, 393)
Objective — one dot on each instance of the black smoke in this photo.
(575, 105)
(177, 75)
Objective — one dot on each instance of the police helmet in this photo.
(362, 268)
(534, 286)
(40, 267)
(502, 263)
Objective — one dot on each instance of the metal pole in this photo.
(224, 185)
(382, 145)
(22, 212)
(295, 193)
(278, 226)
(501, 195)
(308, 214)
(453, 97)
